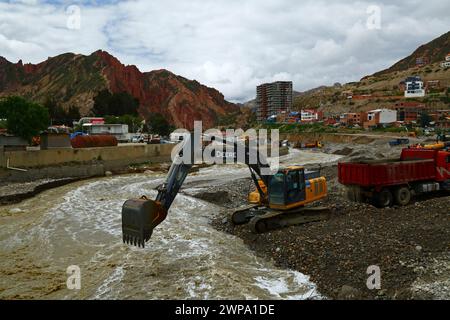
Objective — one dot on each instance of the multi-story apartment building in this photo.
(273, 99)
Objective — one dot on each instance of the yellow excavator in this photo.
(279, 199)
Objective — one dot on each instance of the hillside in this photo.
(434, 52)
(74, 80)
(382, 90)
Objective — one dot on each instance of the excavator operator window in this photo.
(277, 189)
(295, 186)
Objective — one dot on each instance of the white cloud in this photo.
(228, 44)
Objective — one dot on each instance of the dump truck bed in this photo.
(386, 172)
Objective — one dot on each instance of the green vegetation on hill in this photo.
(116, 104)
(434, 51)
(382, 90)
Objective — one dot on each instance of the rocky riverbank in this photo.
(410, 244)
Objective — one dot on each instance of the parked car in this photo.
(138, 139)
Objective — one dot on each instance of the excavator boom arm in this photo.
(141, 216)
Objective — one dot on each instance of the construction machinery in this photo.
(278, 201)
(398, 142)
(310, 145)
(420, 169)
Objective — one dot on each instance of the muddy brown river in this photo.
(80, 224)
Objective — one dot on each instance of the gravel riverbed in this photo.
(410, 245)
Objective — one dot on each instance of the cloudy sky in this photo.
(231, 45)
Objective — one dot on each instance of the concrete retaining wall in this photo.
(110, 156)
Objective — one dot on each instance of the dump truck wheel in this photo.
(402, 196)
(383, 199)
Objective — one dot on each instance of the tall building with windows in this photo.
(273, 99)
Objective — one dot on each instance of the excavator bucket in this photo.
(139, 218)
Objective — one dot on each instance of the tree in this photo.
(73, 113)
(23, 118)
(58, 115)
(159, 125)
(425, 119)
(117, 104)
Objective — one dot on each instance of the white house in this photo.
(414, 87)
(382, 116)
(310, 115)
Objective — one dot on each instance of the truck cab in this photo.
(443, 166)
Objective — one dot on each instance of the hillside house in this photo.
(352, 119)
(422, 61)
(348, 94)
(446, 63)
(379, 117)
(414, 87)
(409, 112)
(433, 84)
(311, 115)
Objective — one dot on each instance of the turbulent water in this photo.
(80, 225)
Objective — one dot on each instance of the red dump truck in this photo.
(387, 182)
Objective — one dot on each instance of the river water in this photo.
(80, 224)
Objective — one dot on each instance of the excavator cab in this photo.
(290, 188)
(287, 188)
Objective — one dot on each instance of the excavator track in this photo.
(245, 214)
(262, 220)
